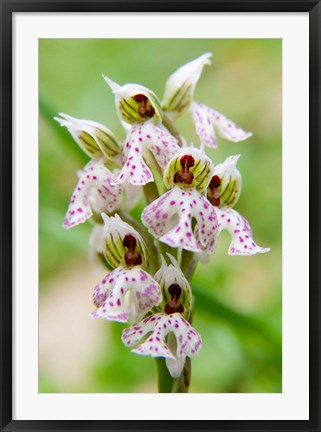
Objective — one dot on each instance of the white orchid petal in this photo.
(160, 143)
(225, 186)
(188, 340)
(208, 120)
(110, 295)
(112, 84)
(94, 191)
(177, 293)
(94, 138)
(135, 102)
(135, 171)
(240, 230)
(169, 218)
(170, 273)
(175, 365)
(142, 137)
(179, 88)
(115, 234)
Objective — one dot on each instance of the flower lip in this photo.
(160, 327)
(94, 192)
(171, 218)
(142, 140)
(207, 121)
(242, 242)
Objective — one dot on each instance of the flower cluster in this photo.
(145, 286)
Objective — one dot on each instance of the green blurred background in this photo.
(238, 308)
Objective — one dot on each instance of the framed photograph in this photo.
(160, 215)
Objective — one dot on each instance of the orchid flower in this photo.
(170, 217)
(208, 120)
(141, 139)
(128, 292)
(144, 288)
(95, 139)
(223, 192)
(177, 293)
(126, 295)
(179, 88)
(95, 191)
(135, 103)
(177, 297)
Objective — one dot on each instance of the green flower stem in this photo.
(165, 380)
(167, 384)
(172, 129)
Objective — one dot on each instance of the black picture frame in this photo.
(6, 235)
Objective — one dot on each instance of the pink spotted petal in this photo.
(174, 365)
(135, 171)
(94, 191)
(159, 326)
(144, 137)
(170, 217)
(126, 295)
(207, 121)
(240, 230)
(159, 142)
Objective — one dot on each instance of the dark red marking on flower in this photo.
(174, 304)
(185, 176)
(145, 108)
(212, 194)
(132, 257)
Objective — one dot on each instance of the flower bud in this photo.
(135, 103)
(124, 247)
(177, 294)
(179, 88)
(95, 139)
(189, 169)
(225, 186)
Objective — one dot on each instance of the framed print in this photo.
(160, 217)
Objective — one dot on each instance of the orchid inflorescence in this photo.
(151, 262)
